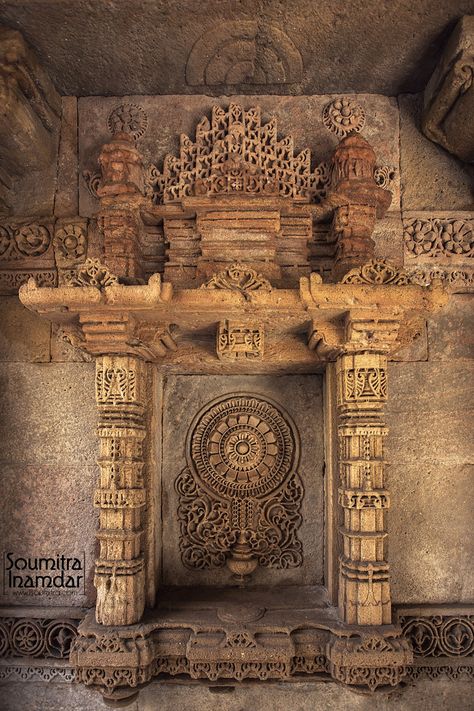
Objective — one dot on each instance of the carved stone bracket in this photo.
(449, 95)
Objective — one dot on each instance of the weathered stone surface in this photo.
(451, 332)
(47, 512)
(67, 198)
(23, 336)
(429, 415)
(300, 696)
(389, 48)
(29, 126)
(299, 395)
(168, 116)
(449, 95)
(48, 414)
(431, 179)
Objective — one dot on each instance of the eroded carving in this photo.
(378, 271)
(119, 572)
(240, 278)
(236, 341)
(435, 237)
(243, 52)
(70, 244)
(128, 118)
(90, 273)
(342, 116)
(240, 494)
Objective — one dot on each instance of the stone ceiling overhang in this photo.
(127, 47)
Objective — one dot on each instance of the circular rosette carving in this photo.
(457, 637)
(71, 242)
(32, 240)
(26, 639)
(59, 636)
(423, 635)
(242, 446)
(342, 116)
(128, 118)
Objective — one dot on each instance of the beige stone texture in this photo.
(429, 448)
(48, 452)
(440, 695)
(431, 178)
(24, 336)
(451, 332)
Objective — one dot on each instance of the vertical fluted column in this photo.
(119, 573)
(364, 587)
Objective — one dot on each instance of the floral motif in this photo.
(91, 273)
(437, 237)
(32, 240)
(70, 243)
(376, 272)
(128, 118)
(342, 116)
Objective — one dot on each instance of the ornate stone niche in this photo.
(235, 478)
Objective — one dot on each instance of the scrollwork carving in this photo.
(438, 636)
(378, 271)
(240, 278)
(241, 487)
(91, 273)
(36, 637)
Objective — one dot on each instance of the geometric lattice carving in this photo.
(235, 153)
(241, 488)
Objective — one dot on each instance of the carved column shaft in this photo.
(120, 575)
(364, 588)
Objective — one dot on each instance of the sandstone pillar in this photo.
(119, 573)
(361, 373)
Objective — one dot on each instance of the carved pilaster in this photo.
(119, 574)
(364, 588)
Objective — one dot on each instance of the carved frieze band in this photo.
(37, 638)
(442, 640)
(440, 247)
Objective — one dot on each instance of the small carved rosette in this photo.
(240, 495)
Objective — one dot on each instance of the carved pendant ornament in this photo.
(240, 495)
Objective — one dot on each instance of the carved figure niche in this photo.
(241, 500)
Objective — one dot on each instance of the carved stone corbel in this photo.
(449, 95)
